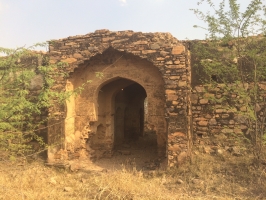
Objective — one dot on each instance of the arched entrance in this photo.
(121, 132)
(124, 110)
(156, 61)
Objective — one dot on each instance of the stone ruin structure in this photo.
(145, 85)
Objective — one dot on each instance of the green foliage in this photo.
(26, 81)
(233, 55)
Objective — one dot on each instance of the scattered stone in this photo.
(236, 151)
(75, 167)
(207, 149)
(68, 189)
(219, 151)
(197, 181)
(179, 181)
(53, 181)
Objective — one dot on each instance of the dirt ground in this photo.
(140, 154)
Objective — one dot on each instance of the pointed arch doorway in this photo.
(121, 120)
(129, 115)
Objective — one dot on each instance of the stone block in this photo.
(174, 77)
(155, 46)
(108, 39)
(178, 50)
(140, 42)
(182, 83)
(119, 41)
(174, 148)
(243, 127)
(170, 92)
(227, 130)
(177, 135)
(70, 60)
(220, 110)
(203, 123)
(175, 102)
(212, 122)
(243, 109)
(262, 86)
(238, 131)
(70, 43)
(203, 129)
(101, 31)
(200, 119)
(148, 51)
(77, 55)
(86, 53)
(201, 133)
(172, 66)
(170, 62)
(225, 116)
(208, 95)
(200, 89)
(182, 157)
(203, 101)
(164, 53)
(194, 98)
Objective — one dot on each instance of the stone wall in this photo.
(136, 66)
(161, 51)
(220, 126)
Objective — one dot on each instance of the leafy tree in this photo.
(233, 56)
(26, 79)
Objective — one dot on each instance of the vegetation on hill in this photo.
(233, 55)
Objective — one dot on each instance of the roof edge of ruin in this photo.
(106, 32)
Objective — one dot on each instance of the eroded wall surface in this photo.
(221, 126)
(96, 104)
(158, 62)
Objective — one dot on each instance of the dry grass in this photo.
(210, 177)
(220, 177)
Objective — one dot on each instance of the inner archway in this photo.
(131, 86)
(129, 116)
(121, 111)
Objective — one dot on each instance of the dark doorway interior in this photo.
(132, 143)
(129, 115)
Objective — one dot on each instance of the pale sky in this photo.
(25, 22)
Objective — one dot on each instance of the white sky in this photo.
(25, 22)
